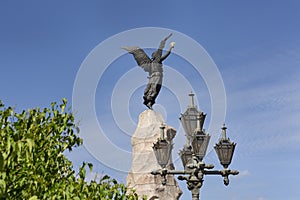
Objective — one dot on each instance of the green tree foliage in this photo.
(32, 163)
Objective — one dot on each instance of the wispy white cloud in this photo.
(263, 104)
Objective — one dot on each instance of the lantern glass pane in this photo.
(185, 155)
(162, 150)
(225, 152)
(200, 144)
(189, 120)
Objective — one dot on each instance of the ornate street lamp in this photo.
(200, 140)
(189, 120)
(225, 149)
(186, 155)
(162, 149)
(194, 151)
(200, 144)
(192, 121)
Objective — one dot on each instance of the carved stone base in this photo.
(144, 161)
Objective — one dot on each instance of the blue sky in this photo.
(255, 45)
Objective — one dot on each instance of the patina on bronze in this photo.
(153, 66)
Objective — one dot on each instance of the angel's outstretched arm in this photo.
(163, 42)
(168, 53)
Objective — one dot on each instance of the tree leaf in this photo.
(30, 144)
(33, 198)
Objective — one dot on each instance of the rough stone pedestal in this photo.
(144, 161)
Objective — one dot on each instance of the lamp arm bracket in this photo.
(224, 172)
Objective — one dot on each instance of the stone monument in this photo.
(149, 130)
(143, 159)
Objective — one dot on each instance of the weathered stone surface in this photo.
(144, 161)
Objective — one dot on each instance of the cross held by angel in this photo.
(153, 66)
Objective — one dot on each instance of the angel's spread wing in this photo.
(139, 55)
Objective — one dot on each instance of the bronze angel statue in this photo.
(153, 66)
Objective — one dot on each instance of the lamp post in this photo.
(194, 151)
